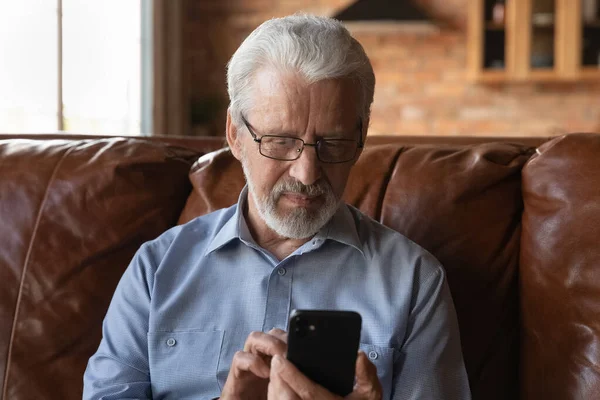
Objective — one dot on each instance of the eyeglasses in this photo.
(287, 148)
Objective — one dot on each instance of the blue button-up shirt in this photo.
(189, 299)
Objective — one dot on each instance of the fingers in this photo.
(279, 334)
(303, 387)
(266, 343)
(248, 377)
(279, 389)
(367, 382)
(250, 368)
(247, 362)
(366, 371)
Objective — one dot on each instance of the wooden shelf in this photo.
(543, 26)
(492, 76)
(537, 76)
(590, 73)
(545, 75)
(592, 25)
(492, 26)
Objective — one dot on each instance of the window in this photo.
(73, 66)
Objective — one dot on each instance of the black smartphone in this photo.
(323, 345)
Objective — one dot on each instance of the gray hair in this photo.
(316, 48)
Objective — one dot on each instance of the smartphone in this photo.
(323, 345)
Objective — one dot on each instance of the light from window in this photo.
(101, 62)
(101, 66)
(28, 66)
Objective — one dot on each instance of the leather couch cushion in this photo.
(462, 203)
(72, 215)
(217, 178)
(560, 270)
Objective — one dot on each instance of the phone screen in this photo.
(323, 345)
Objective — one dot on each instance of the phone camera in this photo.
(303, 327)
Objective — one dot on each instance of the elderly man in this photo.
(201, 312)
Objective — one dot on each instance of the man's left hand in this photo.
(287, 382)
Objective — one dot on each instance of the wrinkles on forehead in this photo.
(284, 102)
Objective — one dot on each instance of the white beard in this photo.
(300, 223)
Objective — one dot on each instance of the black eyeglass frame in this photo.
(258, 140)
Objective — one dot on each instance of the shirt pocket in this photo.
(183, 364)
(383, 358)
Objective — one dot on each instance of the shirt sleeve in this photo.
(430, 364)
(119, 369)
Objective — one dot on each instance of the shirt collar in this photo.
(341, 228)
(234, 228)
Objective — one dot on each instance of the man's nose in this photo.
(307, 168)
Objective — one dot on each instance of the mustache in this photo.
(294, 186)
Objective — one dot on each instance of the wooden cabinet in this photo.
(534, 40)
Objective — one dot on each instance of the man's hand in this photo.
(287, 382)
(250, 369)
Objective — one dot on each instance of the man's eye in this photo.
(284, 142)
(332, 144)
(337, 144)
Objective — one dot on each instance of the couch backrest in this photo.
(461, 202)
(72, 214)
(560, 270)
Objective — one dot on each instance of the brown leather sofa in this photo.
(516, 223)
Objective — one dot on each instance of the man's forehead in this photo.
(270, 121)
(272, 82)
(286, 101)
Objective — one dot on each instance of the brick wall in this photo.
(421, 89)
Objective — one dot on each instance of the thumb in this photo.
(367, 382)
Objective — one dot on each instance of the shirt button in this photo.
(171, 342)
(281, 271)
(373, 355)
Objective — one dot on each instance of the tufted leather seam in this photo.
(385, 184)
(25, 264)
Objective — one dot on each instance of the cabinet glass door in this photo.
(590, 43)
(494, 57)
(543, 34)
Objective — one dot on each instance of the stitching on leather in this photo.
(386, 182)
(25, 265)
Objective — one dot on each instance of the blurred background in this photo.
(443, 67)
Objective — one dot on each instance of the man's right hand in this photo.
(249, 374)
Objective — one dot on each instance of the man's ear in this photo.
(233, 140)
